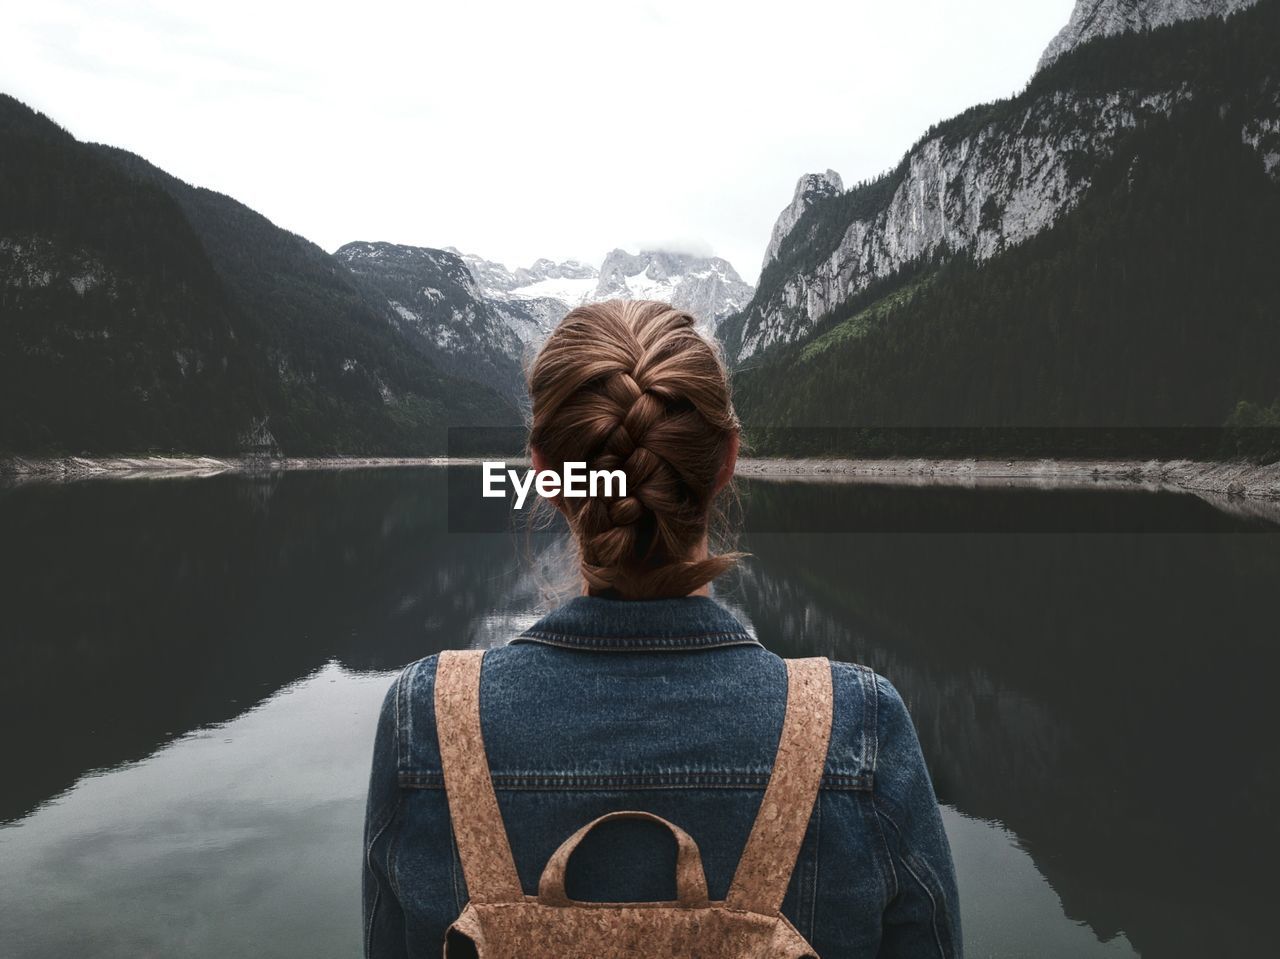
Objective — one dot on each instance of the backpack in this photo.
(501, 922)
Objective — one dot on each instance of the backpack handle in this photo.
(691, 880)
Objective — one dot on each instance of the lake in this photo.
(191, 669)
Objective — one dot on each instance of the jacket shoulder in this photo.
(410, 706)
(851, 757)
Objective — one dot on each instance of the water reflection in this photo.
(241, 839)
(991, 868)
(1091, 705)
(1103, 696)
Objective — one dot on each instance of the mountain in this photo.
(534, 299)
(1103, 18)
(115, 330)
(140, 313)
(568, 281)
(1098, 251)
(1000, 173)
(434, 296)
(811, 188)
(708, 287)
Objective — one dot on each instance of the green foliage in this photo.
(1253, 431)
(1154, 303)
(864, 323)
(1230, 59)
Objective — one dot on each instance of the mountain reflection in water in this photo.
(190, 673)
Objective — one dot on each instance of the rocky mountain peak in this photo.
(992, 178)
(809, 189)
(497, 278)
(532, 300)
(1102, 18)
(546, 269)
(707, 286)
(435, 299)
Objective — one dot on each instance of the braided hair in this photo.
(632, 386)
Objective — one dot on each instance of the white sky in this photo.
(519, 129)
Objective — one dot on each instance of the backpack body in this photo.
(501, 922)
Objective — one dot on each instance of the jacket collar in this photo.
(615, 625)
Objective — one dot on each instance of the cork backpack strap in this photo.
(487, 863)
(764, 871)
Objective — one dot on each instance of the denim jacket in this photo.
(671, 706)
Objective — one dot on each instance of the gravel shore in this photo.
(1234, 480)
(1231, 479)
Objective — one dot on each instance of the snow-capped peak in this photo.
(537, 296)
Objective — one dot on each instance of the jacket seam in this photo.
(885, 853)
(871, 727)
(377, 883)
(372, 920)
(870, 720)
(401, 710)
(391, 853)
(815, 882)
(631, 643)
(903, 854)
(856, 782)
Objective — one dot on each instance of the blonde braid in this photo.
(632, 386)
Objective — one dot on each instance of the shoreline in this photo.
(176, 466)
(1234, 478)
(1231, 479)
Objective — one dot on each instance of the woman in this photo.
(644, 693)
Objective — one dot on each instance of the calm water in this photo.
(190, 671)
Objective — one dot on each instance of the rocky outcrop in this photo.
(1103, 18)
(434, 298)
(983, 181)
(981, 192)
(532, 300)
(811, 188)
(567, 280)
(708, 287)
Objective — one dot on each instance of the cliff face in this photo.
(708, 287)
(1103, 18)
(811, 188)
(982, 192)
(434, 299)
(532, 301)
(980, 183)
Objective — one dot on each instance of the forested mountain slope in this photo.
(1000, 173)
(1151, 300)
(138, 312)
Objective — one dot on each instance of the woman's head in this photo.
(632, 386)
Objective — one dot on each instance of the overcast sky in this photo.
(519, 129)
